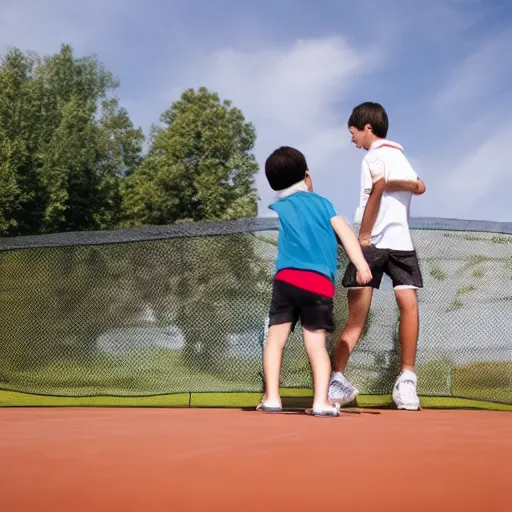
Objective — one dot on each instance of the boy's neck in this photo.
(371, 140)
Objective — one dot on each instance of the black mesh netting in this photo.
(183, 309)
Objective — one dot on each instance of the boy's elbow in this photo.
(341, 227)
(375, 197)
(378, 189)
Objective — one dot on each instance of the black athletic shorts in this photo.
(290, 303)
(401, 266)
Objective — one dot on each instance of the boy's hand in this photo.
(364, 276)
(353, 249)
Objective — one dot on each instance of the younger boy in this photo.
(387, 184)
(305, 272)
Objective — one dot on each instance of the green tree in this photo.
(65, 144)
(199, 166)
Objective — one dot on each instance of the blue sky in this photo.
(296, 68)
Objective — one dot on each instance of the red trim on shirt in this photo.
(307, 280)
(388, 146)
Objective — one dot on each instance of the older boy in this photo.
(387, 184)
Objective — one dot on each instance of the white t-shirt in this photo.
(391, 229)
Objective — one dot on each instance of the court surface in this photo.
(152, 460)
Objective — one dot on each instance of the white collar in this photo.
(300, 186)
(384, 142)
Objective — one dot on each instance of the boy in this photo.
(303, 287)
(387, 184)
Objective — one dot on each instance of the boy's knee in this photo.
(407, 300)
(351, 334)
(278, 334)
(314, 338)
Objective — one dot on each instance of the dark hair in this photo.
(285, 167)
(370, 113)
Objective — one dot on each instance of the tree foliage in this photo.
(71, 158)
(199, 166)
(65, 144)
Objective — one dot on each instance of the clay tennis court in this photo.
(72, 459)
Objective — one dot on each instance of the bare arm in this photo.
(352, 248)
(371, 212)
(416, 187)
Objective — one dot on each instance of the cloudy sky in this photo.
(297, 67)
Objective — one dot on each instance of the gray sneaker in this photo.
(341, 391)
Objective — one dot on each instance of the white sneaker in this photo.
(404, 392)
(341, 391)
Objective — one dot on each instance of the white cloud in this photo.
(295, 91)
(468, 170)
(481, 173)
(471, 178)
(291, 94)
(480, 74)
(292, 91)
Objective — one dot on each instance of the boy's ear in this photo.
(368, 127)
(308, 181)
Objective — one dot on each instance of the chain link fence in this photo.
(183, 309)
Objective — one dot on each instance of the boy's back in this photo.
(306, 238)
(386, 159)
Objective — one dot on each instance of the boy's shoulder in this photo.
(391, 156)
(316, 196)
(310, 200)
(382, 153)
(383, 147)
(302, 196)
(315, 199)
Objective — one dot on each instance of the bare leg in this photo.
(359, 301)
(272, 361)
(320, 364)
(407, 300)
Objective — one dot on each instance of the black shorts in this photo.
(401, 266)
(290, 303)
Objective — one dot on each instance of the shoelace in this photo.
(342, 388)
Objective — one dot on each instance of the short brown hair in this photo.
(370, 113)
